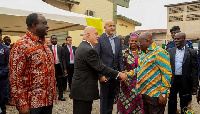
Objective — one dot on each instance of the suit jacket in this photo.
(104, 50)
(87, 65)
(189, 68)
(59, 54)
(66, 56)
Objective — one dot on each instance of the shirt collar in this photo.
(89, 43)
(34, 37)
(151, 47)
(181, 49)
(110, 37)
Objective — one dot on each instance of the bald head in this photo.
(146, 35)
(145, 40)
(109, 28)
(91, 35)
(180, 34)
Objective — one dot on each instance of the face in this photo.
(69, 41)
(54, 40)
(7, 41)
(133, 42)
(41, 26)
(143, 43)
(179, 41)
(93, 37)
(110, 28)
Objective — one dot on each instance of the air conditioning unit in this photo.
(90, 13)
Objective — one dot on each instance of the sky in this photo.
(151, 13)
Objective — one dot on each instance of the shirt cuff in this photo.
(117, 75)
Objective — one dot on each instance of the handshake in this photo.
(122, 77)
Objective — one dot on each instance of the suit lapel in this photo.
(173, 54)
(116, 46)
(185, 54)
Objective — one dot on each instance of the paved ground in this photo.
(65, 107)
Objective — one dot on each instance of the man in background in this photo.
(173, 31)
(109, 49)
(4, 71)
(69, 53)
(7, 41)
(184, 66)
(57, 52)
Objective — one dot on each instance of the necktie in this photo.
(54, 52)
(71, 53)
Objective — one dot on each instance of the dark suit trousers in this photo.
(82, 107)
(107, 95)
(58, 73)
(184, 98)
(70, 71)
(152, 106)
(42, 110)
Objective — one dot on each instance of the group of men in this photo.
(35, 67)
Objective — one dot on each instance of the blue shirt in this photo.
(4, 59)
(112, 42)
(71, 60)
(179, 60)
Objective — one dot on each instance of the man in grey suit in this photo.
(87, 65)
(184, 81)
(109, 48)
(58, 52)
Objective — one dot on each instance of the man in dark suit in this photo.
(87, 65)
(184, 65)
(57, 52)
(109, 48)
(68, 58)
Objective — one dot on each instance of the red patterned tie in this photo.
(71, 53)
(54, 52)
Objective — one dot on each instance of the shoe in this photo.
(62, 99)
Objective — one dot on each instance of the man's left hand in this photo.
(162, 100)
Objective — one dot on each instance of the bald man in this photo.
(109, 48)
(184, 66)
(153, 75)
(87, 65)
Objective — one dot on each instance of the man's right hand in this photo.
(123, 76)
(65, 72)
(103, 79)
(25, 110)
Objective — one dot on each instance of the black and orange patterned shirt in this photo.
(32, 73)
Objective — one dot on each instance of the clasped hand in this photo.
(123, 76)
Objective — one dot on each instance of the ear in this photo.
(34, 25)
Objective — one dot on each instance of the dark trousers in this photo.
(82, 107)
(107, 95)
(70, 71)
(42, 110)
(58, 73)
(184, 98)
(152, 106)
(4, 94)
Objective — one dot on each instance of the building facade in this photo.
(185, 15)
(97, 8)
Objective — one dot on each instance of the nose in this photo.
(48, 27)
